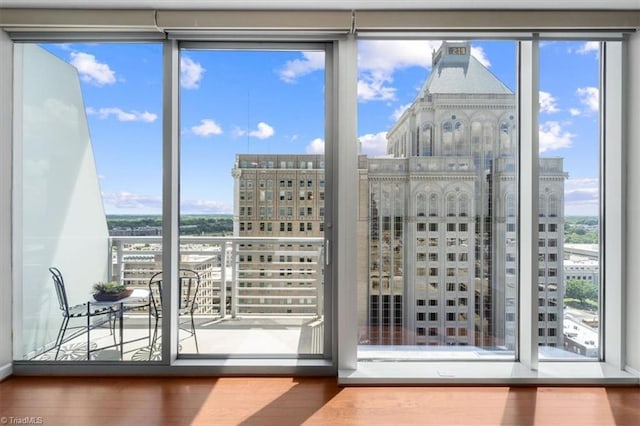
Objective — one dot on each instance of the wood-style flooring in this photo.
(98, 401)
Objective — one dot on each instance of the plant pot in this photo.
(112, 297)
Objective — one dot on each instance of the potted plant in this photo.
(110, 291)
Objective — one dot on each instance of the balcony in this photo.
(257, 296)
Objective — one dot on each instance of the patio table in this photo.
(139, 298)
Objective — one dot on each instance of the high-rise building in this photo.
(441, 217)
(279, 196)
(437, 216)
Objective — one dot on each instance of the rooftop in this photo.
(456, 71)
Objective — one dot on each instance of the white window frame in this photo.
(340, 247)
(527, 368)
(323, 364)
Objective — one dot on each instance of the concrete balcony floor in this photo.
(284, 336)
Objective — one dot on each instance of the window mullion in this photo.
(170, 201)
(612, 178)
(344, 230)
(528, 209)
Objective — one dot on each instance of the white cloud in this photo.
(378, 60)
(128, 200)
(397, 113)
(121, 115)
(205, 206)
(91, 70)
(148, 117)
(574, 112)
(263, 131)
(207, 127)
(588, 47)
(581, 196)
(371, 88)
(582, 185)
(387, 56)
(373, 144)
(310, 62)
(480, 55)
(316, 146)
(590, 97)
(190, 73)
(547, 103)
(553, 136)
(238, 132)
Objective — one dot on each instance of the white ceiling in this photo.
(324, 4)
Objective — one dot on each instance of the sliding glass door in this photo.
(252, 201)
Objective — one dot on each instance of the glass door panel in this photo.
(252, 198)
(569, 201)
(438, 223)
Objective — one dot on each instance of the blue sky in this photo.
(273, 102)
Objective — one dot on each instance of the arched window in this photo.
(510, 205)
(476, 136)
(447, 138)
(426, 141)
(459, 139)
(463, 209)
(506, 137)
(451, 205)
(487, 137)
(433, 205)
(542, 205)
(553, 206)
(421, 205)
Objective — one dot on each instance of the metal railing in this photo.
(240, 276)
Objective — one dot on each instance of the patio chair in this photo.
(188, 284)
(95, 315)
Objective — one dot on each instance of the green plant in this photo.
(111, 287)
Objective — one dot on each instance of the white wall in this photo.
(61, 217)
(6, 65)
(633, 206)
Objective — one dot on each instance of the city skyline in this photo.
(279, 111)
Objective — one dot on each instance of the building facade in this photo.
(279, 196)
(437, 216)
(441, 218)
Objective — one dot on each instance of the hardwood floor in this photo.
(291, 401)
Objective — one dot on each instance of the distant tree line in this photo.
(189, 225)
(581, 230)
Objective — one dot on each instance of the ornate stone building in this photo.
(441, 217)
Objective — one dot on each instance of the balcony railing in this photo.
(239, 276)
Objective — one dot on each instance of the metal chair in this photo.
(95, 315)
(188, 284)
